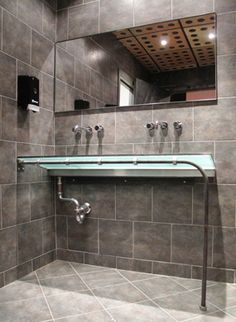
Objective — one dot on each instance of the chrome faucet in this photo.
(99, 128)
(178, 125)
(152, 126)
(77, 129)
(164, 125)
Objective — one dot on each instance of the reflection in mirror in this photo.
(157, 63)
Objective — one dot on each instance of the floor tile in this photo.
(159, 287)
(231, 311)
(85, 268)
(140, 312)
(190, 284)
(214, 317)
(30, 276)
(20, 290)
(103, 278)
(57, 268)
(29, 310)
(56, 285)
(71, 303)
(183, 306)
(100, 316)
(177, 299)
(136, 276)
(118, 295)
(222, 295)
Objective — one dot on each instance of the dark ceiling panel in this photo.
(187, 43)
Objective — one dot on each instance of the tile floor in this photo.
(71, 292)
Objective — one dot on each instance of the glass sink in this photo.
(123, 165)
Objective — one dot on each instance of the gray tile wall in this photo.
(153, 226)
(80, 78)
(27, 221)
(80, 75)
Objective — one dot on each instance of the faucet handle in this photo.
(98, 128)
(164, 125)
(77, 129)
(178, 125)
(151, 126)
(89, 130)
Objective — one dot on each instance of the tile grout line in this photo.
(152, 202)
(98, 236)
(133, 239)
(171, 9)
(1, 208)
(133, 13)
(192, 195)
(193, 124)
(235, 213)
(2, 29)
(44, 296)
(228, 314)
(115, 192)
(99, 17)
(67, 234)
(212, 247)
(171, 243)
(157, 305)
(67, 24)
(31, 47)
(91, 291)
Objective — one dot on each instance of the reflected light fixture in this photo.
(164, 42)
(211, 35)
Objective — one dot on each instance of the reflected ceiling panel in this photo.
(172, 45)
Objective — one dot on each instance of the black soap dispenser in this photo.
(28, 93)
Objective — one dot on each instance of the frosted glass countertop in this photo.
(123, 165)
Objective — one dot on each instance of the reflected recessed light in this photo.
(211, 35)
(164, 42)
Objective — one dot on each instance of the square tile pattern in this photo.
(67, 292)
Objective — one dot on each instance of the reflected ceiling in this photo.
(172, 45)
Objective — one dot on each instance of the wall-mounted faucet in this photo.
(100, 132)
(151, 126)
(77, 129)
(164, 125)
(178, 126)
(99, 128)
(80, 211)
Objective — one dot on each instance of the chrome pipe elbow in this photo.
(81, 211)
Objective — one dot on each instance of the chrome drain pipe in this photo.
(80, 211)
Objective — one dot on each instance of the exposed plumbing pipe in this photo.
(81, 211)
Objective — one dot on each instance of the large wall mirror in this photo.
(156, 63)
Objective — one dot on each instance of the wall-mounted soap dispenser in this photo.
(28, 93)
